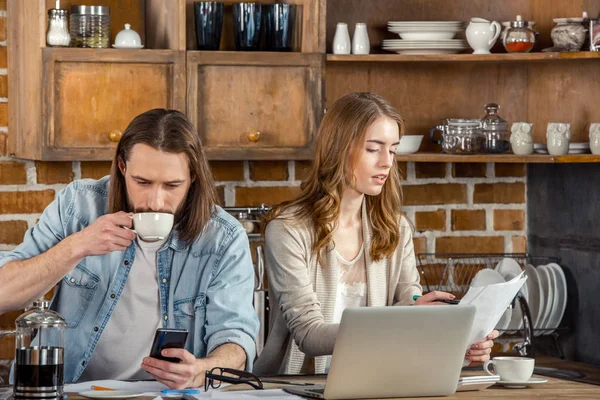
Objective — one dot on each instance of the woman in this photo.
(342, 242)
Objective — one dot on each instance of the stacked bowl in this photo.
(426, 37)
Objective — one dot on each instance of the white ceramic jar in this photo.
(558, 136)
(595, 138)
(58, 31)
(521, 138)
(360, 40)
(341, 39)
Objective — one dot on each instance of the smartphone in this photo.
(167, 338)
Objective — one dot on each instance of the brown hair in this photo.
(343, 132)
(168, 131)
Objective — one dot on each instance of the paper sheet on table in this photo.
(490, 302)
(149, 388)
(271, 394)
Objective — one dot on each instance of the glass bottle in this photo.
(58, 32)
(519, 37)
(90, 26)
(495, 129)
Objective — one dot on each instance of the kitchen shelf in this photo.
(499, 158)
(499, 57)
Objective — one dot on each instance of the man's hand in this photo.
(185, 374)
(480, 352)
(104, 235)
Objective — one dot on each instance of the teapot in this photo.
(482, 34)
(558, 135)
(521, 138)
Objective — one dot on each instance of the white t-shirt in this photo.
(129, 333)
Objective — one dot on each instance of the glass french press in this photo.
(39, 353)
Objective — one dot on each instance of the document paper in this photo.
(490, 302)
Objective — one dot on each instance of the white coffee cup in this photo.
(511, 369)
(152, 226)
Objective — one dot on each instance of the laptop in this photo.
(396, 352)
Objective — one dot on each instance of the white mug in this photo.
(558, 135)
(511, 369)
(152, 226)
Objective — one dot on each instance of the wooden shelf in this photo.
(498, 57)
(499, 158)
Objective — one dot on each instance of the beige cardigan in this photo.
(302, 295)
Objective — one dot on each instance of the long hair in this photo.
(171, 132)
(339, 141)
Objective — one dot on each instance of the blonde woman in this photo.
(342, 242)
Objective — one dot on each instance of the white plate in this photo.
(420, 52)
(110, 394)
(519, 385)
(554, 288)
(437, 23)
(579, 146)
(127, 47)
(536, 295)
(548, 290)
(561, 295)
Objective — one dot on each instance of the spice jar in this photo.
(58, 32)
(495, 129)
(519, 37)
(90, 26)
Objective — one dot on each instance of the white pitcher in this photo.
(482, 34)
(341, 39)
(521, 138)
(558, 135)
(595, 138)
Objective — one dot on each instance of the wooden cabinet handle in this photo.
(115, 136)
(253, 136)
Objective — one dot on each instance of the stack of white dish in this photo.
(574, 148)
(545, 292)
(425, 37)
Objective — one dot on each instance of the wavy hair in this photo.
(171, 132)
(343, 132)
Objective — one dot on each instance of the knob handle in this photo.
(254, 136)
(115, 136)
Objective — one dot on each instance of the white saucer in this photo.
(519, 385)
(127, 47)
(110, 394)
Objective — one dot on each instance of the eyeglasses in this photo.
(215, 377)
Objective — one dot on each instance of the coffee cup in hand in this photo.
(152, 226)
(511, 369)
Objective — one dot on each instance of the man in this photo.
(115, 290)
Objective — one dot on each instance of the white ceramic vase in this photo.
(341, 39)
(558, 136)
(595, 138)
(521, 138)
(360, 40)
(482, 34)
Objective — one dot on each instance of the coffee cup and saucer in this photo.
(514, 372)
(152, 226)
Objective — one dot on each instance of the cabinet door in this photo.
(92, 95)
(255, 105)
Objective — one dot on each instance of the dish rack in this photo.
(453, 273)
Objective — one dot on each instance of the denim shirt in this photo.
(205, 287)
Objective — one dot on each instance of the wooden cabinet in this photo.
(72, 103)
(248, 108)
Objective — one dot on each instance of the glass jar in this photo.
(39, 353)
(519, 37)
(461, 136)
(246, 222)
(495, 129)
(90, 26)
(58, 32)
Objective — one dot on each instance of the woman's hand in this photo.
(431, 297)
(480, 352)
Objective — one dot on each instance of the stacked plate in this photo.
(545, 292)
(426, 37)
(574, 148)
